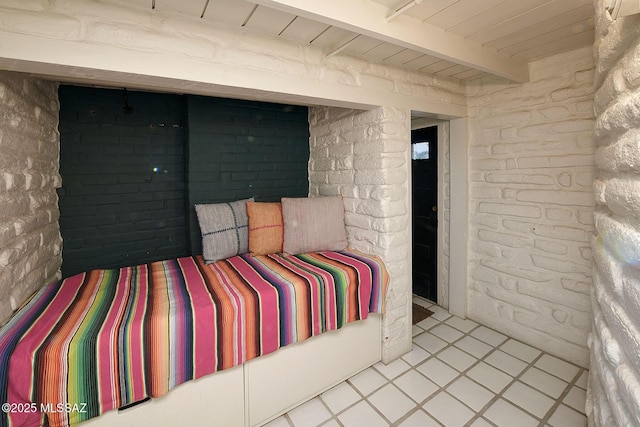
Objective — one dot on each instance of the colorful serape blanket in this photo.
(104, 339)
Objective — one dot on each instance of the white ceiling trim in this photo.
(369, 18)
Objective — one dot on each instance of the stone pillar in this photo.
(444, 214)
(30, 241)
(364, 156)
(613, 397)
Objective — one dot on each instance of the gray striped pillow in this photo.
(224, 228)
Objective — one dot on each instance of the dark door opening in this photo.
(424, 181)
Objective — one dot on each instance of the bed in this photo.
(108, 339)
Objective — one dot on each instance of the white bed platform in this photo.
(263, 388)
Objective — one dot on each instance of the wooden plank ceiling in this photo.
(460, 39)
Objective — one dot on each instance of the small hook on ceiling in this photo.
(127, 109)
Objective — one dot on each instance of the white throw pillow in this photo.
(313, 224)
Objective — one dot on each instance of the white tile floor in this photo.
(459, 373)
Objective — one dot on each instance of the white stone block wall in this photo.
(365, 157)
(531, 204)
(613, 396)
(444, 216)
(30, 241)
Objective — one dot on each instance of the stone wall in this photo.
(365, 157)
(613, 397)
(531, 204)
(122, 200)
(30, 242)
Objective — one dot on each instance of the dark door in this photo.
(424, 178)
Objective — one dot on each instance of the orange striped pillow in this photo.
(266, 229)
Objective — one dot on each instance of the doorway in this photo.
(424, 184)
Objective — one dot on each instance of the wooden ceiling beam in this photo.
(370, 19)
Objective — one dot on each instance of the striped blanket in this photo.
(105, 339)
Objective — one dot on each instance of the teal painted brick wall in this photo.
(130, 181)
(123, 192)
(240, 149)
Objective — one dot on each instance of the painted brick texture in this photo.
(531, 204)
(30, 241)
(613, 396)
(240, 149)
(365, 157)
(123, 196)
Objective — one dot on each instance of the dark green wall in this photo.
(130, 180)
(240, 149)
(115, 210)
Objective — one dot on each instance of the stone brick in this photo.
(340, 177)
(551, 247)
(510, 209)
(388, 193)
(376, 147)
(30, 238)
(622, 195)
(519, 178)
(622, 155)
(503, 239)
(486, 192)
(375, 197)
(621, 237)
(561, 266)
(530, 180)
(630, 71)
(617, 119)
(613, 397)
(379, 162)
(380, 176)
(559, 214)
(488, 164)
(567, 198)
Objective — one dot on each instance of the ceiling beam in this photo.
(402, 8)
(369, 18)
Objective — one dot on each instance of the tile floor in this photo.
(459, 373)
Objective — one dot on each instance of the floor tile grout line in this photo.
(463, 373)
(444, 387)
(364, 398)
(376, 408)
(418, 407)
(333, 416)
(345, 409)
(499, 395)
(517, 379)
(563, 395)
